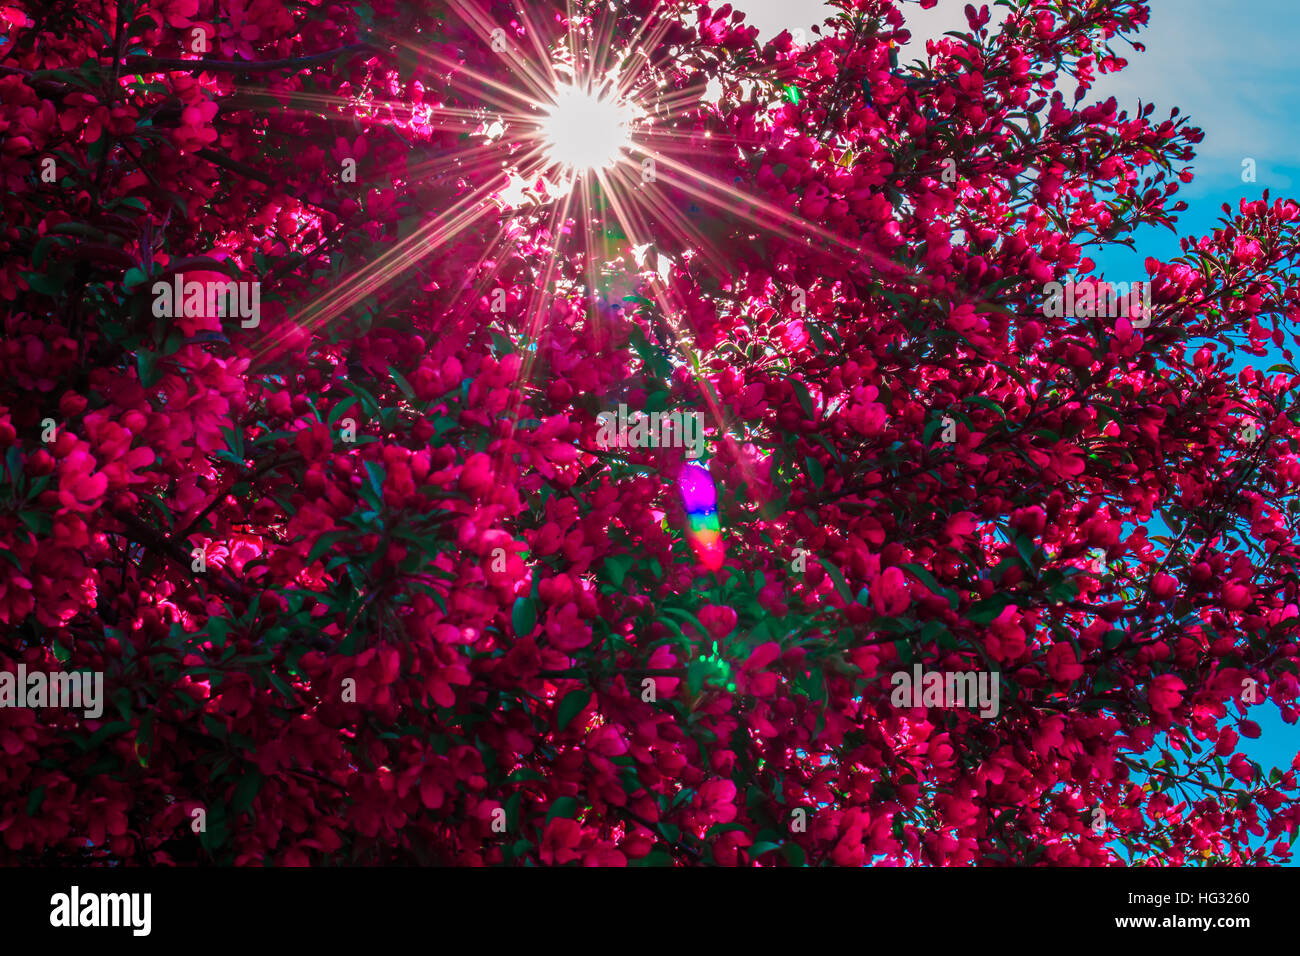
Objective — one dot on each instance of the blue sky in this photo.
(1233, 68)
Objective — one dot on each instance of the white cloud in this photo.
(773, 16)
(1231, 69)
(934, 23)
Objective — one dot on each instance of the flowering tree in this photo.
(310, 311)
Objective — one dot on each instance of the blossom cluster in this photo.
(365, 587)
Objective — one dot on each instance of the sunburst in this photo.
(586, 130)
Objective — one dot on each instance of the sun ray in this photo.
(544, 57)
(586, 129)
(377, 273)
(527, 98)
(571, 125)
(538, 81)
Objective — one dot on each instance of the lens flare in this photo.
(700, 499)
(584, 130)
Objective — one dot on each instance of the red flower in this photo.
(1241, 768)
(476, 476)
(195, 131)
(80, 486)
(560, 841)
(870, 390)
(1063, 663)
(1227, 742)
(565, 630)
(718, 620)
(717, 800)
(1165, 693)
(890, 595)
(177, 13)
(762, 655)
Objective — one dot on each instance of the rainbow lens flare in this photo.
(701, 502)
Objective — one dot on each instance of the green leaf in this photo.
(617, 566)
(323, 544)
(216, 832)
(43, 283)
(103, 733)
(402, 383)
(804, 398)
(339, 408)
(926, 578)
(38, 523)
(696, 672)
(1027, 550)
(936, 632)
(523, 616)
(146, 366)
(369, 405)
(35, 799)
(246, 790)
(841, 586)
(810, 684)
(43, 247)
(235, 442)
(376, 473)
(987, 403)
(279, 683)
(719, 828)
(659, 857)
(815, 471)
(652, 357)
(566, 807)
(684, 615)
(985, 611)
(512, 811)
(574, 703)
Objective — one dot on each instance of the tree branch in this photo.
(141, 63)
(248, 171)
